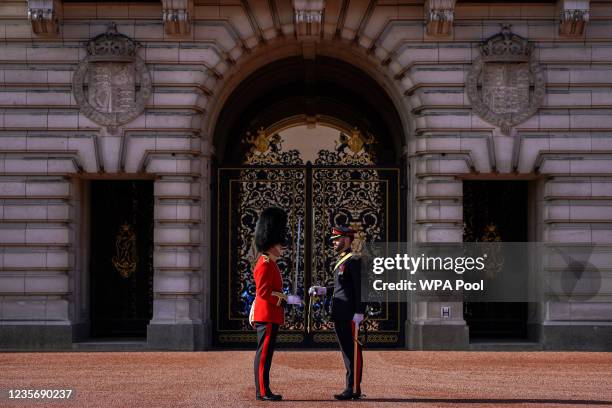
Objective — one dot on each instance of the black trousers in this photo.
(266, 338)
(351, 353)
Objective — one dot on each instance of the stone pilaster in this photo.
(437, 217)
(177, 304)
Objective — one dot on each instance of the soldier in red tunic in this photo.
(268, 309)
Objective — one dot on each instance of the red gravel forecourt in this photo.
(310, 378)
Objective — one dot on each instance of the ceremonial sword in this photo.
(297, 263)
(297, 255)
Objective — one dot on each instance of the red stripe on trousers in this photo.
(357, 360)
(262, 359)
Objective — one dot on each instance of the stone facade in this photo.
(197, 51)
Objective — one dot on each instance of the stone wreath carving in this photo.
(506, 83)
(112, 84)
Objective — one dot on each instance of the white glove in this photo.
(357, 318)
(294, 300)
(252, 314)
(317, 290)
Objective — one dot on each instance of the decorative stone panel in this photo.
(506, 83)
(112, 84)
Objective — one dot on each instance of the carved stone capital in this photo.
(308, 15)
(573, 17)
(177, 16)
(44, 15)
(439, 17)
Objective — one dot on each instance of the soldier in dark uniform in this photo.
(268, 309)
(347, 310)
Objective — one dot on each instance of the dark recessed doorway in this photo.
(121, 266)
(495, 207)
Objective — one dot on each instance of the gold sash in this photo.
(344, 258)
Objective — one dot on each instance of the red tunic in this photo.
(268, 292)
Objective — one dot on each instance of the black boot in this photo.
(344, 395)
(270, 396)
(358, 395)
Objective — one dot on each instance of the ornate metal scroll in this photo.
(343, 196)
(282, 187)
(342, 188)
(353, 149)
(267, 149)
(506, 83)
(126, 257)
(488, 233)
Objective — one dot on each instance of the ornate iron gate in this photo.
(350, 191)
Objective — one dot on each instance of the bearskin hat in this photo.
(271, 228)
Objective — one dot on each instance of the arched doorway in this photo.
(321, 139)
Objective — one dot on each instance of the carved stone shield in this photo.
(111, 85)
(505, 83)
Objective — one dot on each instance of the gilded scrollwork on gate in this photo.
(285, 188)
(489, 234)
(341, 187)
(125, 259)
(349, 197)
(265, 148)
(351, 149)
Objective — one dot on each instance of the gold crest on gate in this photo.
(126, 257)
